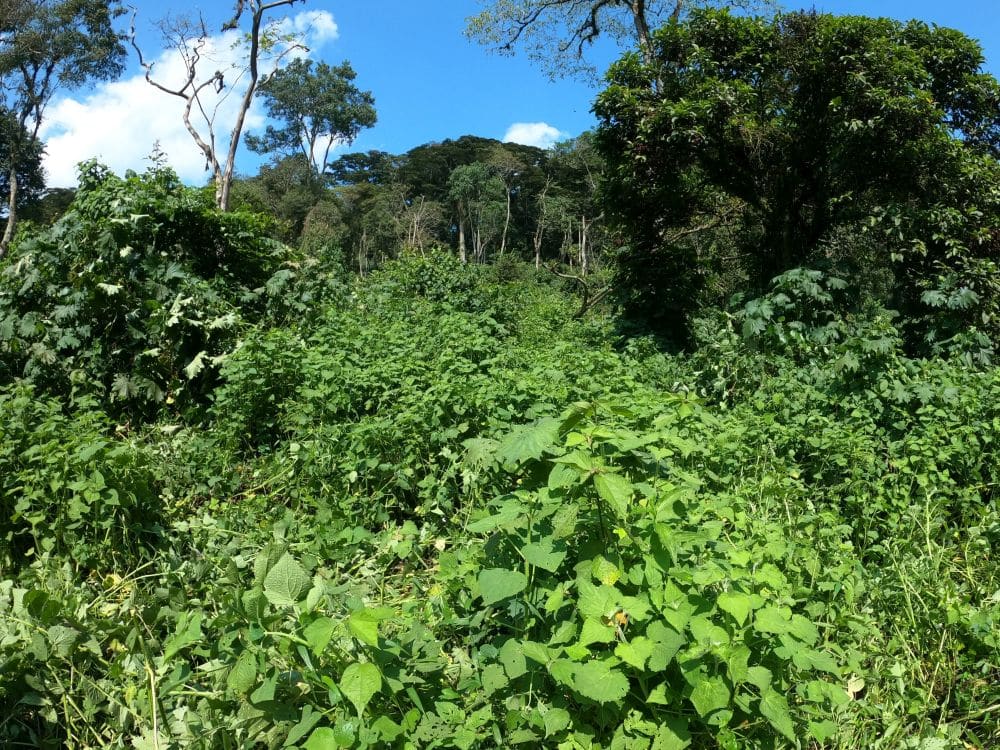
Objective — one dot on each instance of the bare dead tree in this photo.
(190, 39)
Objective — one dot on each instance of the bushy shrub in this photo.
(138, 291)
(71, 488)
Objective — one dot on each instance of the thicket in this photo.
(251, 499)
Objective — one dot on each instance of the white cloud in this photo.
(118, 123)
(538, 134)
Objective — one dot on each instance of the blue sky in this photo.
(429, 81)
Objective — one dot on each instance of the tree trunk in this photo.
(506, 226)
(462, 255)
(8, 232)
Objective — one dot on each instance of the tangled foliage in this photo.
(136, 292)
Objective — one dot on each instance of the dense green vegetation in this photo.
(485, 446)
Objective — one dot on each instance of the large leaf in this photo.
(737, 604)
(318, 634)
(616, 491)
(542, 554)
(529, 441)
(597, 681)
(359, 683)
(774, 708)
(285, 582)
(497, 584)
(709, 696)
(243, 674)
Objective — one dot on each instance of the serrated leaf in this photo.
(285, 582)
(710, 695)
(555, 720)
(773, 620)
(195, 366)
(596, 601)
(512, 658)
(62, 639)
(737, 604)
(597, 681)
(497, 584)
(636, 652)
(188, 632)
(542, 554)
(243, 674)
(666, 643)
(605, 571)
(359, 683)
(616, 491)
(493, 678)
(528, 441)
(774, 708)
(595, 631)
(672, 735)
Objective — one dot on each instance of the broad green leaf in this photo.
(243, 674)
(318, 634)
(760, 677)
(497, 584)
(285, 582)
(363, 626)
(306, 722)
(672, 735)
(597, 601)
(774, 708)
(616, 491)
(537, 651)
(529, 441)
(188, 632)
(596, 631)
(195, 366)
(710, 695)
(605, 571)
(386, 729)
(493, 679)
(555, 720)
(265, 692)
(737, 604)
(512, 658)
(823, 730)
(359, 683)
(323, 738)
(803, 629)
(542, 554)
(636, 652)
(62, 639)
(666, 643)
(595, 680)
(773, 620)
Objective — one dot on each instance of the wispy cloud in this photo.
(118, 123)
(538, 134)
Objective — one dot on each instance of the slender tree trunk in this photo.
(8, 232)
(506, 226)
(462, 255)
(583, 246)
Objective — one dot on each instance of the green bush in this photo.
(69, 487)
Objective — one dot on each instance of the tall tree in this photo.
(47, 46)
(478, 196)
(317, 108)
(557, 33)
(191, 38)
(800, 127)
